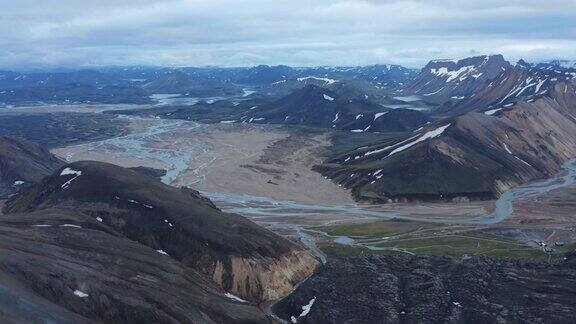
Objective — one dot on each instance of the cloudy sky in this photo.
(52, 33)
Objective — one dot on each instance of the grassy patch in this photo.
(427, 239)
(377, 229)
(334, 250)
(457, 245)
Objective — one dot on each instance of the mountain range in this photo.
(527, 132)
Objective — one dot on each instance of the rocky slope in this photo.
(473, 156)
(23, 163)
(410, 289)
(241, 257)
(65, 266)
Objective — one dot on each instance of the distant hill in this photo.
(320, 107)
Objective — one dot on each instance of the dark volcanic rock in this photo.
(408, 289)
(23, 163)
(237, 254)
(64, 266)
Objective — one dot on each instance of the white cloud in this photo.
(296, 32)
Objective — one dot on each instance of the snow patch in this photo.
(161, 252)
(377, 115)
(461, 73)
(492, 111)
(70, 225)
(328, 81)
(507, 149)
(236, 298)
(80, 294)
(327, 97)
(389, 147)
(305, 310)
(69, 171)
(336, 117)
(431, 134)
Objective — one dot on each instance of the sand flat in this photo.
(229, 158)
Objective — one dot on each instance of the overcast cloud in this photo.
(44, 33)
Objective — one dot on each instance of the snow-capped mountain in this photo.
(442, 79)
(568, 64)
(480, 153)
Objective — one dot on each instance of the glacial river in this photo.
(290, 216)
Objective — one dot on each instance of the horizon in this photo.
(196, 33)
(63, 69)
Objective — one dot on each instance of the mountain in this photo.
(73, 93)
(568, 64)
(385, 75)
(472, 156)
(60, 265)
(13, 80)
(239, 256)
(264, 74)
(375, 81)
(418, 289)
(476, 83)
(23, 163)
(191, 84)
(441, 79)
(220, 111)
(320, 107)
(523, 82)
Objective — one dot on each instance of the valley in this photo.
(269, 179)
(336, 176)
